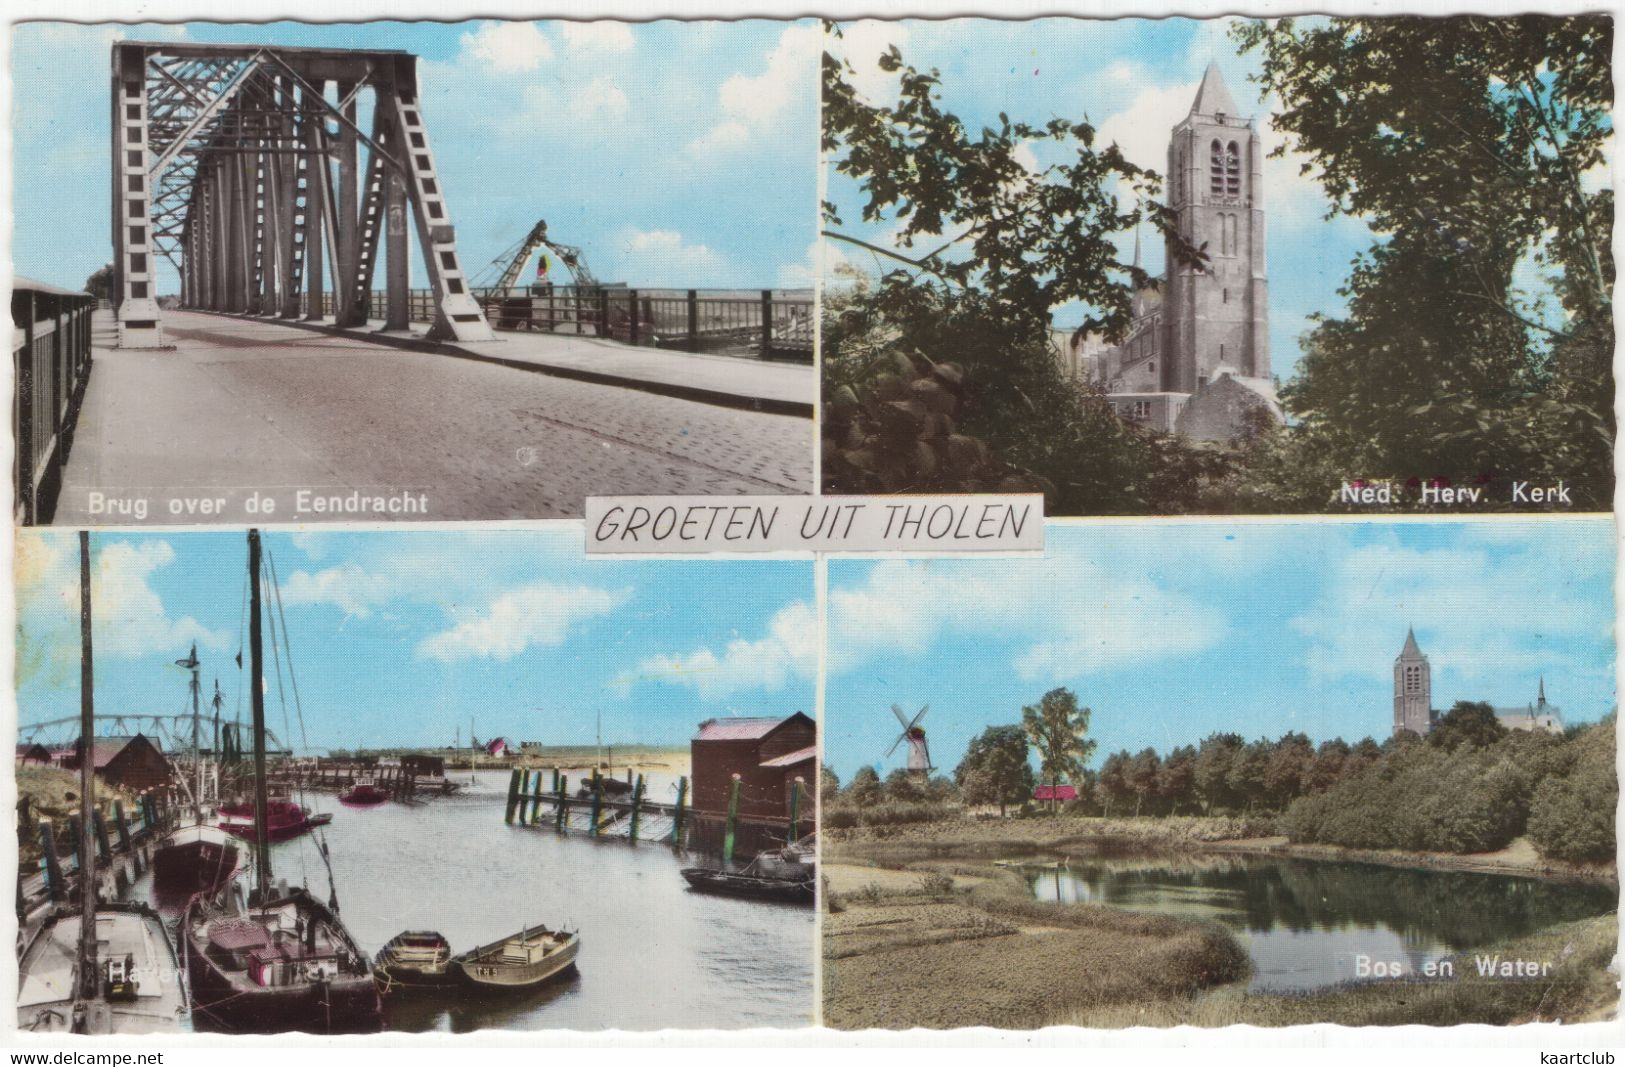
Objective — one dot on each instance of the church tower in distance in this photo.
(1217, 315)
(1413, 690)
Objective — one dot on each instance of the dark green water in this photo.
(1308, 924)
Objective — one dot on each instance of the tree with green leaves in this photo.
(1477, 343)
(829, 786)
(903, 786)
(1214, 759)
(1057, 728)
(1468, 722)
(996, 769)
(864, 789)
(100, 283)
(942, 376)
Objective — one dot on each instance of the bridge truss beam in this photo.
(224, 161)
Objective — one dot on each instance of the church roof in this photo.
(1411, 650)
(1213, 98)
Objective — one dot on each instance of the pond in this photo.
(1309, 924)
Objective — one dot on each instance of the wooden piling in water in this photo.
(76, 835)
(563, 783)
(597, 800)
(513, 795)
(637, 805)
(536, 799)
(677, 816)
(795, 810)
(53, 866)
(733, 814)
(104, 851)
(124, 827)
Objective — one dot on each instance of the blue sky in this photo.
(1133, 79)
(1170, 631)
(674, 154)
(400, 638)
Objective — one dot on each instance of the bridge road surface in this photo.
(243, 407)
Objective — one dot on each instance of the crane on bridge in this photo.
(511, 262)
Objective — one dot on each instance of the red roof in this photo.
(790, 759)
(1058, 792)
(741, 729)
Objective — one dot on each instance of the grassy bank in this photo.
(53, 793)
(938, 946)
(1579, 989)
(1058, 834)
(926, 931)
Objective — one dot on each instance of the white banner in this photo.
(663, 525)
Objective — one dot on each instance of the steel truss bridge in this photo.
(242, 166)
(174, 733)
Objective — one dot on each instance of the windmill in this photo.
(919, 755)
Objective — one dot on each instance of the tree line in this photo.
(1471, 785)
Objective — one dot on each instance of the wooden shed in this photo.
(767, 754)
(134, 763)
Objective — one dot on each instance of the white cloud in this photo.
(862, 44)
(129, 615)
(598, 36)
(507, 46)
(600, 98)
(753, 103)
(904, 608)
(664, 257)
(540, 614)
(1511, 612)
(788, 651)
(719, 138)
(804, 274)
(347, 587)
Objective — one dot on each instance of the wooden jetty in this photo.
(400, 781)
(125, 844)
(543, 799)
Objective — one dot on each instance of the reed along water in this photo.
(654, 953)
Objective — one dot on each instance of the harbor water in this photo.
(654, 953)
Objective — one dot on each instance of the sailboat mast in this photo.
(197, 750)
(197, 742)
(88, 983)
(256, 661)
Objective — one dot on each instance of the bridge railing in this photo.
(50, 358)
(765, 323)
(719, 321)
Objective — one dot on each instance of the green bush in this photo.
(1572, 817)
(839, 818)
(896, 813)
(1437, 798)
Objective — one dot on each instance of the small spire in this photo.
(1411, 649)
(1213, 98)
(1542, 697)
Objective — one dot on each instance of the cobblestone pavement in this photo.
(240, 407)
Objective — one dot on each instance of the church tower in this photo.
(1413, 689)
(1217, 315)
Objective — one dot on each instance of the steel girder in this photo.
(224, 161)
